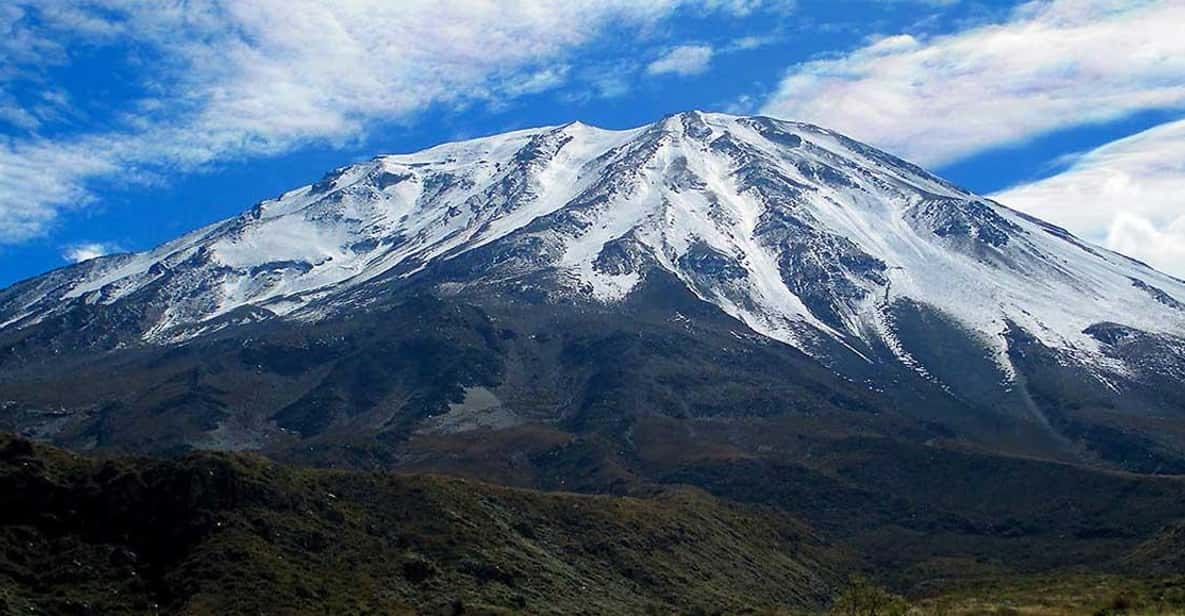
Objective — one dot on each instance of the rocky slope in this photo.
(797, 231)
(872, 279)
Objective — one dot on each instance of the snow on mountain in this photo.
(795, 230)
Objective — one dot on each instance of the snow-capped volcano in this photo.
(795, 230)
(575, 276)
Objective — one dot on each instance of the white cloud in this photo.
(38, 177)
(683, 60)
(78, 253)
(749, 42)
(1128, 195)
(745, 7)
(231, 80)
(1053, 64)
(15, 115)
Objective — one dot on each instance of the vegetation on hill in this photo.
(220, 533)
(227, 533)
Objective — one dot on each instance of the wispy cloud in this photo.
(1051, 65)
(226, 81)
(682, 60)
(1129, 195)
(78, 253)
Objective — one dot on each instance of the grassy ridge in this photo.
(1063, 594)
(223, 533)
(213, 533)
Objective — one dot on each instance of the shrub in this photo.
(1123, 601)
(863, 598)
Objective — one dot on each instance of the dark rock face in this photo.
(702, 260)
(515, 188)
(1155, 362)
(681, 179)
(277, 266)
(775, 132)
(1159, 294)
(383, 179)
(624, 255)
(1112, 333)
(694, 126)
(327, 183)
(961, 219)
(438, 183)
(828, 272)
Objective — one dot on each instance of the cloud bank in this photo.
(1053, 64)
(1128, 195)
(683, 60)
(229, 80)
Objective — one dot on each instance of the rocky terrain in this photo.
(763, 310)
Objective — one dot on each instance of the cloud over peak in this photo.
(1128, 195)
(1053, 64)
(684, 60)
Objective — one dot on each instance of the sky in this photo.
(124, 124)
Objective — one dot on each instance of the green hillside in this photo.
(222, 533)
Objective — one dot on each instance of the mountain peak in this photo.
(803, 235)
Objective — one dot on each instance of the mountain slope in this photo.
(784, 225)
(975, 322)
(221, 534)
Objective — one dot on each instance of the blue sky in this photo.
(124, 124)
